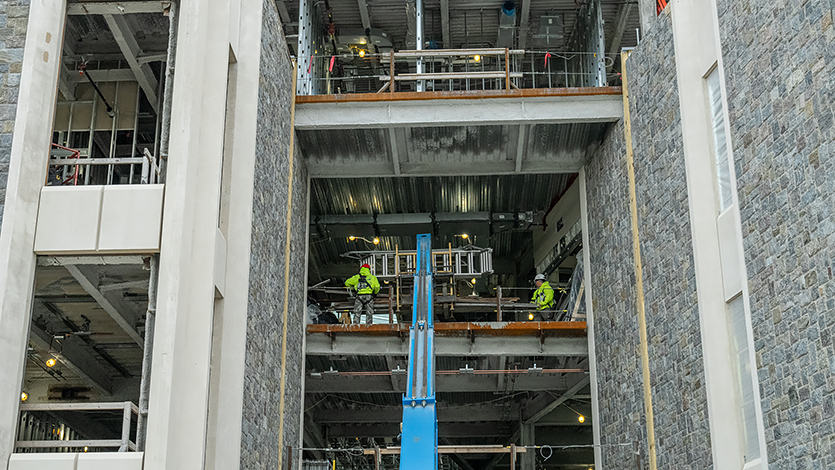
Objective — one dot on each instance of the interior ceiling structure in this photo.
(87, 316)
(472, 23)
(496, 211)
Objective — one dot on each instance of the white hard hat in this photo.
(539, 277)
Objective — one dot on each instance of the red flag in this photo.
(330, 67)
(547, 55)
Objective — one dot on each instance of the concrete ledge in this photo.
(78, 461)
(60, 461)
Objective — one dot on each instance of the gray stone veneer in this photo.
(261, 417)
(682, 434)
(14, 17)
(780, 76)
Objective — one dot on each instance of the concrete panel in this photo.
(68, 219)
(131, 218)
(60, 461)
(110, 461)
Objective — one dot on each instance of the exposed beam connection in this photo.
(120, 315)
(130, 49)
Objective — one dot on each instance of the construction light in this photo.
(352, 238)
(581, 418)
(85, 448)
(50, 362)
(530, 316)
(465, 236)
(376, 241)
(362, 53)
(477, 58)
(24, 396)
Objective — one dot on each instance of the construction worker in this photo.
(543, 296)
(365, 285)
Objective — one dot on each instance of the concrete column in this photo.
(695, 33)
(595, 402)
(528, 458)
(229, 345)
(27, 173)
(648, 13)
(178, 407)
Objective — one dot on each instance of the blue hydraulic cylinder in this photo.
(419, 440)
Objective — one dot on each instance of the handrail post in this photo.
(506, 68)
(499, 303)
(391, 71)
(126, 418)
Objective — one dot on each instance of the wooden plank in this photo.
(460, 95)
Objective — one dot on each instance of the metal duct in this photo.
(507, 25)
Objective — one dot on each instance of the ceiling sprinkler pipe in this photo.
(110, 111)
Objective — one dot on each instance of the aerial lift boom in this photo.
(419, 440)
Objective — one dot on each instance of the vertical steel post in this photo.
(305, 68)
(421, 85)
(600, 47)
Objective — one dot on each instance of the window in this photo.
(720, 143)
(744, 382)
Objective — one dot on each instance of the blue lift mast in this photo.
(419, 440)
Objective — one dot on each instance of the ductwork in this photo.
(507, 25)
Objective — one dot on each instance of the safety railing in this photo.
(460, 263)
(54, 434)
(73, 167)
(456, 70)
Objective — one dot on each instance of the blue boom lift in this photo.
(419, 440)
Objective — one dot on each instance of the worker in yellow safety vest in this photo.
(543, 296)
(365, 285)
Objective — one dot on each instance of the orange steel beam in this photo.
(459, 95)
(545, 328)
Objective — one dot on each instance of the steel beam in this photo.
(335, 345)
(445, 383)
(119, 315)
(397, 144)
(115, 8)
(366, 18)
(105, 75)
(446, 37)
(620, 27)
(524, 24)
(559, 401)
(130, 48)
(441, 112)
(76, 355)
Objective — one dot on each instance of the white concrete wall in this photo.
(719, 268)
(27, 173)
(197, 378)
(223, 443)
(78, 461)
(567, 208)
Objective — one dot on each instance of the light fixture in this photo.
(50, 362)
(375, 240)
(477, 58)
(581, 418)
(24, 396)
(465, 236)
(530, 316)
(472, 281)
(85, 448)
(362, 53)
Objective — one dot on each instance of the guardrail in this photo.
(455, 70)
(31, 432)
(65, 167)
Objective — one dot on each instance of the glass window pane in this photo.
(720, 142)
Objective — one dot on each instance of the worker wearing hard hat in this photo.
(543, 297)
(365, 285)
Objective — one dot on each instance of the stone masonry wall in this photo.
(682, 433)
(679, 397)
(265, 325)
(779, 62)
(14, 17)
